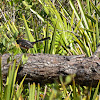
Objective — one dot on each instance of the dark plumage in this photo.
(27, 44)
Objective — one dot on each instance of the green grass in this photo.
(71, 33)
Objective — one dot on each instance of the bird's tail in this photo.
(40, 40)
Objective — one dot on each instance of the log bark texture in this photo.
(46, 68)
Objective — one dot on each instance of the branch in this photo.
(46, 68)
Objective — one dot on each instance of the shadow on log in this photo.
(46, 68)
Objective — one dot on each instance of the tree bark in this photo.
(46, 68)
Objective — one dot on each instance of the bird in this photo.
(25, 44)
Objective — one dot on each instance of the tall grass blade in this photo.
(77, 26)
(29, 35)
(32, 92)
(37, 14)
(10, 81)
(38, 91)
(96, 91)
(96, 9)
(64, 10)
(72, 19)
(74, 90)
(83, 15)
(46, 47)
(63, 86)
(88, 6)
(97, 32)
(53, 41)
(75, 11)
(11, 27)
(14, 80)
(92, 19)
(33, 86)
(35, 34)
(19, 91)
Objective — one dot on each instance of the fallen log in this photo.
(46, 68)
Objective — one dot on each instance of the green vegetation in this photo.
(73, 29)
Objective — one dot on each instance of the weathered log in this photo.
(46, 68)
